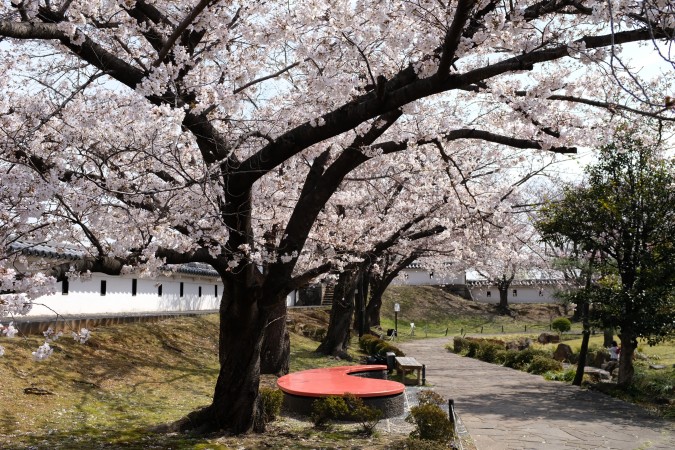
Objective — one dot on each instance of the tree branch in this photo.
(453, 36)
(196, 11)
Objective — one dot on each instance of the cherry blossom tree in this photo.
(153, 133)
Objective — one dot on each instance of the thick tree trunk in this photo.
(503, 306)
(339, 327)
(626, 370)
(374, 307)
(503, 285)
(276, 347)
(379, 284)
(236, 404)
(361, 299)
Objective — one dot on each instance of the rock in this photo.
(611, 366)
(657, 366)
(548, 338)
(563, 353)
(597, 374)
(597, 359)
(520, 344)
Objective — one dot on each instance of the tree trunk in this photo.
(379, 284)
(503, 306)
(361, 298)
(503, 285)
(374, 305)
(276, 347)
(338, 334)
(608, 337)
(236, 406)
(583, 352)
(626, 370)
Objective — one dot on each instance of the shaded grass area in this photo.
(108, 392)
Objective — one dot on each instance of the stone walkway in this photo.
(504, 408)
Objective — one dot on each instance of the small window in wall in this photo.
(65, 286)
(159, 290)
(104, 287)
(541, 292)
(489, 294)
(215, 290)
(199, 293)
(181, 288)
(134, 287)
(515, 292)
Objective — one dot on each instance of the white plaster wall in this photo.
(292, 298)
(525, 294)
(421, 277)
(84, 296)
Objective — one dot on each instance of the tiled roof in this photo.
(46, 251)
(195, 268)
(63, 252)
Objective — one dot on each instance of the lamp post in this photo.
(397, 308)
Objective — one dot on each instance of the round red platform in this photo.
(338, 381)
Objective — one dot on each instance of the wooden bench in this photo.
(407, 364)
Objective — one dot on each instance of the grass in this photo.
(108, 393)
(436, 313)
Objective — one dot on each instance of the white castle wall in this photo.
(425, 277)
(84, 296)
(523, 294)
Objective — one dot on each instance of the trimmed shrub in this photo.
(366, 341)
(542, 364)
(501, 356)
(487, 351)
(327, 409)
(471, 349)
(431, 423)
(366, 416)
(521, 359)
(459, 344)
(373, 345)
(561, 325)
(510, 358)
(430, 398)
(272, 399)
(348, 407)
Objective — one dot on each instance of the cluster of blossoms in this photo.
(10, 331)
(43, 352)
(50, 335)
(83, 336)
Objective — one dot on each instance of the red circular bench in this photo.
(365, 381)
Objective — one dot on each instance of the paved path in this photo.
(504, 408)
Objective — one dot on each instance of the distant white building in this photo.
(417, 275)
(536, 289)
(519, 292)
